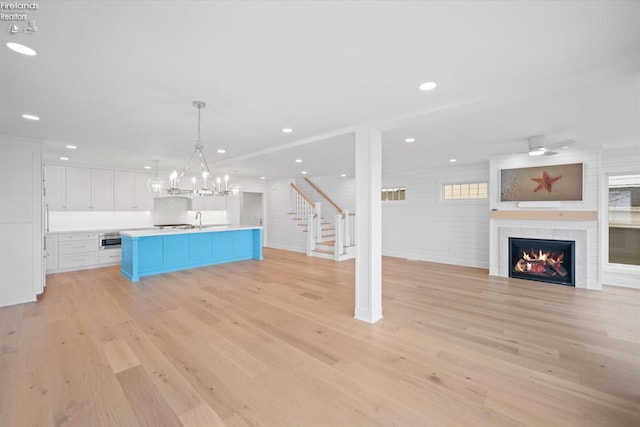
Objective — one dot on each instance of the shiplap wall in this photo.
(616, 162)
(340, 190)
(425, 227)
(283, 232)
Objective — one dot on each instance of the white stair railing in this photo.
(345, 233)
(338, 247)
(349, 228)
(301, 206)
(311, 234)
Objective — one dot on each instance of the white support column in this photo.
(368, 226)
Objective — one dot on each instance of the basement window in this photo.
(467, 191)
(393, 194)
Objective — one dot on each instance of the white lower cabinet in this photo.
(110, 256)
(51, 252)
(71, 261)
(78, 251)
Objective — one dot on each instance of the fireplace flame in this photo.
(537, 262)
(542, 256)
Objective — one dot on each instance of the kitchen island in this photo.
(149, 252)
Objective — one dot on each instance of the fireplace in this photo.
(551, 261)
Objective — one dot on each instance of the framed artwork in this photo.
(542, 183)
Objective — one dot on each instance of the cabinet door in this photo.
(78, 189)
(101, 190)
(54, 183)
(123, 195)
(143, 201)
(51, 252)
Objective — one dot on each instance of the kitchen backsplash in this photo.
(171, 210)
(81, 221)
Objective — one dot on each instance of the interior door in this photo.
(252, 211)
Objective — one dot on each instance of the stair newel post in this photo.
(337, 247)
(318, 221)
(311, 240)
(347, 227)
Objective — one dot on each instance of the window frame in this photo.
(443, 188)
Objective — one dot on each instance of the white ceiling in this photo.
(117, 80)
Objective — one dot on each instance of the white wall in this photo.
(422, 227)
(618, 161)
(340, 190)
(425, 227)
(283, 232)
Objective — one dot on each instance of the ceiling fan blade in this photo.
(565, 143)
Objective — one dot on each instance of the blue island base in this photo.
(146, 254)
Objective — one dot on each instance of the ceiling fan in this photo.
(539, 147)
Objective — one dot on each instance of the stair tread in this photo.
(327, 243)
(323, 251)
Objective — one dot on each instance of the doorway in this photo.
(252, 210)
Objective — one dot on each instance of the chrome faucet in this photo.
(199, 217)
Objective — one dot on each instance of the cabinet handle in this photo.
(47, 216)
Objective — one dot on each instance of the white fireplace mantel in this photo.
(584, 233)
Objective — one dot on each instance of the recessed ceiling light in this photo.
(263, 177)
(303, 172)
(71, 147)
(287, 130)
(566, 147)
(453, 160)
(298, 160)
(410, 140)
(343, 175)
(30, 117)
(428, 86)
(147, 167)
(64, 158)
(20, 48)
(221, 150)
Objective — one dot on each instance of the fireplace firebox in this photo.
(551, 261)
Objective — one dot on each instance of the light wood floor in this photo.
(274, 343)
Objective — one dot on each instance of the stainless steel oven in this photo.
(110, 240)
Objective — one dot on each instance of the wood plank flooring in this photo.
(274, 343)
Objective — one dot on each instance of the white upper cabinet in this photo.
(101, 190)
(78, 189)
(55, 188)
(131, 193)
(142, 198)
(89, 189)
(123, 195)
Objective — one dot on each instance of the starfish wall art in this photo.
(542, 183)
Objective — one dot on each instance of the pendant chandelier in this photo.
(202, 182)
(155, 184)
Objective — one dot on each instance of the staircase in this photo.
(328, 236)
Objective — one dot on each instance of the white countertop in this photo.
(205, 229)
